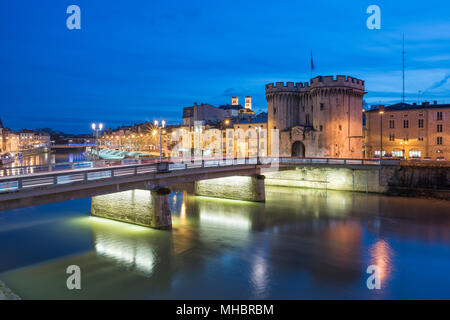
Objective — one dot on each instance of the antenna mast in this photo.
(403, 69)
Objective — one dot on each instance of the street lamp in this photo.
(96, 128)
(381, 112)
(258, 133)
(163, 125)
(403, 144)
(199, 131)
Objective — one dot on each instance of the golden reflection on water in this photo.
(381, 255)
(183, 211)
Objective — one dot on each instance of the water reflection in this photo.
(129, 253)
(381, 256)
(300, 244)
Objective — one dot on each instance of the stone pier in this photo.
(149, 208)
(248, 188)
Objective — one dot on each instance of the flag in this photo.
(312, 62)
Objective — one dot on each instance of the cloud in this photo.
(440, 83)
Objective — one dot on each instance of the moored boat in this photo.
(6, 158)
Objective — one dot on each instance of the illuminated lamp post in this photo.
(163, 125)
(96, 129)
(381, 112)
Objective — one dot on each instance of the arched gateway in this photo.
(298, 149)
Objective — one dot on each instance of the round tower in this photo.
(327, 107)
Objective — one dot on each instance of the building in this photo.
(203, 112)
(248, 137)
(408, 131)
(322, 118)
(31, 139)
(142, 137)
(9, 140)
(211, 115)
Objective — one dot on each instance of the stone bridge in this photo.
(239, 179)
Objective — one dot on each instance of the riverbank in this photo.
(6, 293)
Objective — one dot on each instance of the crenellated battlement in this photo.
(317, 82)
(337, 81)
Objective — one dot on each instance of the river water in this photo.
(300, 244)
(47, 158)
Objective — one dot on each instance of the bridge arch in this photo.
(298, 149)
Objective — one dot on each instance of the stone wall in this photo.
(249, 188)
(432, 181)
(327, 178)
(416, 177)
(6, 293)
(141, 207)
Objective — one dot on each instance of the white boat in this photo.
(6, 158)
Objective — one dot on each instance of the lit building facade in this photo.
(140, 137)
(322, 118)
(408, 131)
(9, 141)
(30, 139)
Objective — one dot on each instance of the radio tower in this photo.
(403, 69)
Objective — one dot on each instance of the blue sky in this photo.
(134, 60)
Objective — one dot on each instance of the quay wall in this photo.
(428, 181)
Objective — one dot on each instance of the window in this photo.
(420, 123)
(405, 124)
(415, 154)
(340, 127)
(391, 137)
(397, 154)
(439, 140)
(391, 124)
(274, 110)
(303, 108)
(439, 128)
(420, 138)
(322, 106)
(439, 115)
(307, 118)
(321, 128)
(312, 108)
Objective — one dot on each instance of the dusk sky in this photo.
(134, 61)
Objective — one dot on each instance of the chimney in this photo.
(426, 103)
(414, 103)
(248, 102)
(435, 101)
(234, 101)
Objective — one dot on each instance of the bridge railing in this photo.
(66, 173)
(64, 177)
(71, 166)
(338, 161)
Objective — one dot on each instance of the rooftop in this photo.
(407, 106)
